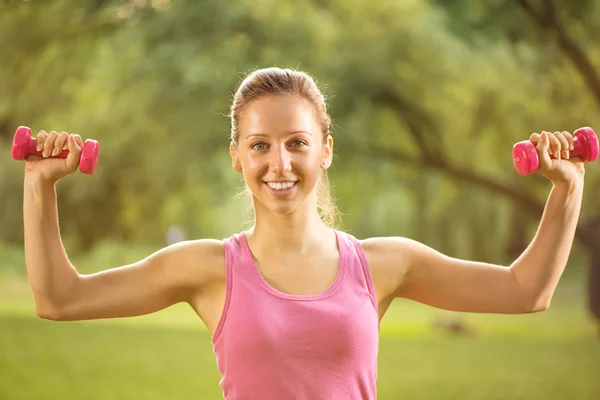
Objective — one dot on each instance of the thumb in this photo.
(74, 152)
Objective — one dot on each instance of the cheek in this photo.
(253, 167)
(254, 162)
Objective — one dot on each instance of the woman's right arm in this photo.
(174, 274)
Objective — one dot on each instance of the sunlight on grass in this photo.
(553, 354)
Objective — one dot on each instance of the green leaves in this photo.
(427, 100)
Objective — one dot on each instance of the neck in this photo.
(297, 232)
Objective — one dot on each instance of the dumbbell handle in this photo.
(577, 151)
(32, 150)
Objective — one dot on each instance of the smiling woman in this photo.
(292, 304)
(278, 97)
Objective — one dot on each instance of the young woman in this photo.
(293, 304)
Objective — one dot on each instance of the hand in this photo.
(562, 167)
(52, 144)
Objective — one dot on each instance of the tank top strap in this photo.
(357, 264)
(234, 258)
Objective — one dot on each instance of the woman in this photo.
(293, 305)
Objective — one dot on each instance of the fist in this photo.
(51, 145)
(554, 150)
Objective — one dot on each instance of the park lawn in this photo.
(550, 355)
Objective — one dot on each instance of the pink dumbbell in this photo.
(585, 146)
(24, 145)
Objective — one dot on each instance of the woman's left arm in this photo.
(541, 265)
(405, 268)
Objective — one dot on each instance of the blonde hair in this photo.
(272, 81)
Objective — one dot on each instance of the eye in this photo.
(259, 146)
(298, 143)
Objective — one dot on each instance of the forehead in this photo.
(277, 114)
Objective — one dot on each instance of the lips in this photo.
(281, 188)
(280, 185)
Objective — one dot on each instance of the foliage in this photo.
(427, 100)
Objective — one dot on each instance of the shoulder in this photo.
(382, 249)
(201, 261)
(390, 260)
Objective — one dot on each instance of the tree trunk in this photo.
(594, 282)
(589, 236)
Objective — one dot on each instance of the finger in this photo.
(569, 138)
(543, 148)
(40, 139)
(78, 140)
(74, 153)
(555, 146)
(49, 143)
(564, 145)
(60, 143)
(534, 138)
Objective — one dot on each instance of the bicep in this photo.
(459, 285)
(166, 277)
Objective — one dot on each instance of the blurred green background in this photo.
(427, 99)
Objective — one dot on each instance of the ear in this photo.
(235, 159)
(327, 153)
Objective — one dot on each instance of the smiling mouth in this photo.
(281, 186)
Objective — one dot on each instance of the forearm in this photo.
(541, 265)
(48, 267)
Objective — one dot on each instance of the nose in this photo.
(281, 160)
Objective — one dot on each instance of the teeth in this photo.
(280, 185)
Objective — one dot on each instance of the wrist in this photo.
(39, 182)
(569, 184)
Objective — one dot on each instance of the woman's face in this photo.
(281, 151)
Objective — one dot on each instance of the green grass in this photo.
(550, 355)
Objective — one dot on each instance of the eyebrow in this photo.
(265, 135)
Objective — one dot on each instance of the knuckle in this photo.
(41, 137)
(49, 143)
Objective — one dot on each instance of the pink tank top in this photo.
(271, 345)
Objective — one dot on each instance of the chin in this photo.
(284, 209)
(280, 207)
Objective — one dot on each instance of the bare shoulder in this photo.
(389, 260)
(202, 261)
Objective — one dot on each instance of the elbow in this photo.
(531, 301)
(52, 306)
(48, 312)
(45, 313)
(538, 305)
